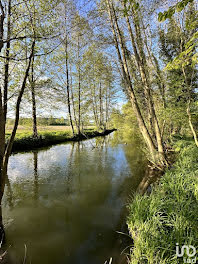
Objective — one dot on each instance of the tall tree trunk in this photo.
(101, 108)
(2, 17)
(79, 88)
(2, 128)
(161, 82)
(6, 154)
(72, 98)
(68, 88)
(7, 61)
(127, 79)
(94, 107)
(95, 104)
(34, 115)
(145, 79)
(95, 100)
(142, 65)
(2, 146)
(67, 72)
(107, 106)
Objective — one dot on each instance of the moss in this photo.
(169, 214)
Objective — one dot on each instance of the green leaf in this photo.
(136, 5)
(161, 17)
(171, 11)
(180, 6)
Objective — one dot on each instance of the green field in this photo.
(49, 135)
(26, 131)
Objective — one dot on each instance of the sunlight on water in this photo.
(65, 203)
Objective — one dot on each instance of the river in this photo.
(65, 204)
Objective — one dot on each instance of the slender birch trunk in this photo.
(79, 88)
(34, 115)
(94, 108)
(68, 88)
(72, 98)
(101, 108)
(7, 61)
(67, 73)
(145, 79)
(107, 106)
(140, 57)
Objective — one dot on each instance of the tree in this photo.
(20, 48)
(179, 53)
(158, 155)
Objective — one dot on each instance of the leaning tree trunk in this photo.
(145, 79)
(7, 61)
(6, 152)
(126, 76)
(142, 66)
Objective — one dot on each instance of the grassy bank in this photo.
(169, 215)
(24, 140)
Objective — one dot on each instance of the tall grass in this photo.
(169, 215)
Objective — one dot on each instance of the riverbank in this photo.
(168, 215)
(25, 141)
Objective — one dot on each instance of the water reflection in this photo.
(9, 192)
(66, 202)
(36, 184)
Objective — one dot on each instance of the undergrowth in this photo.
(169, 215)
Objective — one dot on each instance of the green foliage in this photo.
(126, 122)
(171, 11)
(183, 60)
(186, 57)
(169, 215)
(41, 121)
(130, 4)
(178, 50)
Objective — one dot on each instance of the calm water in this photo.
(65, 203)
